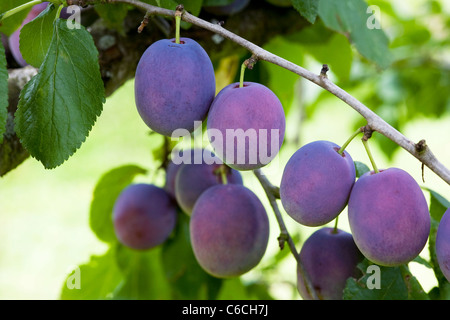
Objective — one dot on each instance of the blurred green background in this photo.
(44, 214)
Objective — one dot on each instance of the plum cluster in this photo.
(387, 212)
(229, 228)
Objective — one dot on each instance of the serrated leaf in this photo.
(350, 17)
(12, 23)
(307, 8)
(59, 106)
(392, 286)
(36, 36)
(96, 279)
(3, 92)
(105, 194)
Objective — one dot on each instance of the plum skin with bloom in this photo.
(443, 244)
(329, 258)
(316, 183)
(389, 217)
(193, 179)
(144, 216)
(229, 230)
(242, 122)
(174, 85)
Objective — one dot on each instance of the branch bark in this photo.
(272, 194)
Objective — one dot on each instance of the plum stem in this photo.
(18, 9)
(241, 78)
(223, 174)
(341, 150)
(178, 14)
(284, 234)
(335, 230)
(372, 161)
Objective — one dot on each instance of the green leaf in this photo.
(307, 8)
(59, 106)
(438, 204)
(211, 3)
(350, 17)
(392, 286)
(144, 275)
(360, 168)
(187, 279)
(12, 23)
(106, 192)
(36, 36)
(415, 290)
(113, 14)
(167, 4)
(95, 280)
(3, 92)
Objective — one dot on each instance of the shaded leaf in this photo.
(392, 286)
(105, 194)
(307, 8)
(143, 275)
(97, 279)
(350, 17)
(187, 279)
(36, 36)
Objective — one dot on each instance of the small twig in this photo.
(144, 23)
(284, 234)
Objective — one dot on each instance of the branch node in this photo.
(421, 146)
(323, 72)
(368, 131)
(282, 238)
(250, 62)
(179, 10)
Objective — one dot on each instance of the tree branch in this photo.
(375, 122)
(284, 234)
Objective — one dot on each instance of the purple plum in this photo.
(246, 125)
(229, 230)
(316, 183)
(193, 179)
(443, 244)
(329, 257)
(174, 85)
(388, 216)
(144, 216)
